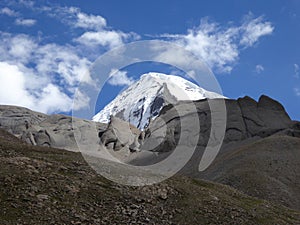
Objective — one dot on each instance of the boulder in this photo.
(121, 134)
(50, 130)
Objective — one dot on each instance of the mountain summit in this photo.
(143, 100)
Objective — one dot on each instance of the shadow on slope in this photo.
(267, 168)
(41, 185)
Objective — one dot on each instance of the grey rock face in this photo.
(252, 121)
(264, 117)
(236, 127)
(272, 113)
(121, 135)
(246, 118)
(259, 166)
(18, 119)
(48, 130)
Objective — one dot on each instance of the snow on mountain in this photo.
(143, 100)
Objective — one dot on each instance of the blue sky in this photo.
(46, 46)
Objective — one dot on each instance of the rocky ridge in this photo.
(250, 125)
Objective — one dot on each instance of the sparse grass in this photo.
(75, 194)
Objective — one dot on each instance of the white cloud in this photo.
(119, 78)
(43, 76)
(110, 39)
(62, 60)
(220, 46)
(52, 99)
(16, 48)
(253, 29)
(297, 91)
(259, 68)
(48, 99)
(296, 70)
(48, 73)
(48, 83)
(96, 31)
(75, 18)
(8, 12)
(170, 55)
(86, 21)
(25, 22)
(13, 90)
(80, 100)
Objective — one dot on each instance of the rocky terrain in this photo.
(42, 185)
(47, 130)
(260, 152)
(259, 157)
(267, 169)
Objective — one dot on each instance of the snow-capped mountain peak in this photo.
(143, 100)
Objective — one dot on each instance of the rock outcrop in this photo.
(41, 185)
(48, 130)
(264, 117)
(120, 134)
(246, 118)
(259, 153)
(16, 119)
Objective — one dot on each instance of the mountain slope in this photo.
(260, 153)
(143, 100)
(267, 168)
(42, 185)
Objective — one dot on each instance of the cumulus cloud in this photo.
(90, 21)
(39, 76)
(47, 74)
(13, 90)
(25, 22)
(80, 100)
(110, 39)
(52, 99)
(220, 46)
(16, 48)
(64, 61)
(49, 99)
(296, 70)
(259, 68)
(119, 78)
(96, 32)
(43, 76)
(8, 12)
(104, 38)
